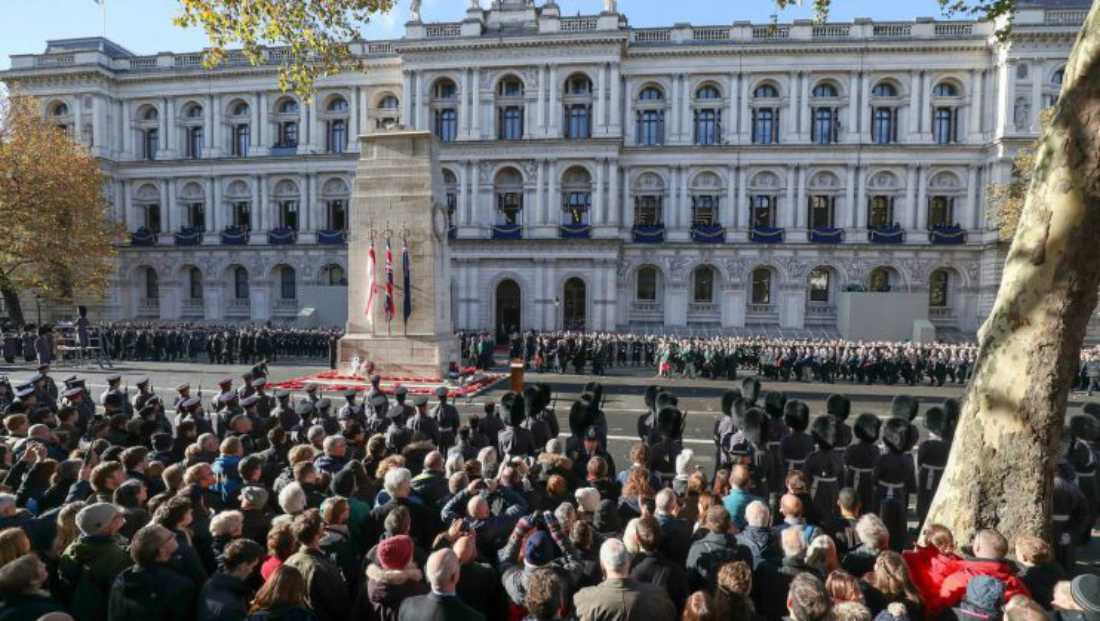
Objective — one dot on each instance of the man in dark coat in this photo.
(226, 594)
(652, 567)
(716, 548)
(326, 592)
(149, 589)
(441, 604)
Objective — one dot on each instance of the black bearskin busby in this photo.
(514, 408)
(899, 435)
(578, 417)
(651, 393)
(774, 404)
(838, 406)
(1084, 427)
(750, 390)
(905, 406)
(796, 415)
(729, 399)
(826, 432)
(754, 425)
(868, 427)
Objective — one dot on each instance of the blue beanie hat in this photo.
(539, 549)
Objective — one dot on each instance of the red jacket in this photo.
(953, 588)
(928, 568)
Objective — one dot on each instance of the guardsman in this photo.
(839, 408)
(447, 419)
(397, 435)
(798, 445)
(861, 458)
(932, 457)
(312, 395)
(540, 431)
(113, 387)
(825, 467)
(351, 410)
(726, 425)
(895, 479)
(514, 440)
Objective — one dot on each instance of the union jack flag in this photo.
(371, 287)
(389, 307)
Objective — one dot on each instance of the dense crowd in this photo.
(161, 341)
(269, 507)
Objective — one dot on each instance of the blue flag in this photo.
(407, 308)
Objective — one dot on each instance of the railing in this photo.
(277, 56)
(653, 35)
(761, 309)
(238, 306)
(149, 306)
(653, 308)
(149, 62)
(832, 31)
(582, 23)
(443, 31)
(285, 306)
(941, 312)
(374, 49)
(773, 31)
(703, 308)
(711, 33)
(188, 60)
(820, 309)
(192, 308)
(954, 30)
(892, 31)
(1069, 17)
(236, 58)
(55, 61)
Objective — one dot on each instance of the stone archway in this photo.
(574, 304)
(509, 308)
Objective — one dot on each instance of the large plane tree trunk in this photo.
(1001, 467)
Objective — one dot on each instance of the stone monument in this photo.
(397, 196)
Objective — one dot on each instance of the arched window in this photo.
(881, 280)
(508, 188)
(60, 109)
(287, 124)
(389, 102)
(702, 284)
(884, 89)
(194, 282)
(945, 115)
(286, 202)
(822, 211)
(708, 115)
(826, 116)
(288, 289)
(649, 118)
(238, 196)
(240, 283)
(445, 89)
(149, 143)
(510, 109)
(240, 108)
(881, 212)
(820, 285)
(576, 190)
(762, 286)
(577, 107)
(334, 193)
(338, 104)
(763, 210)
(336, 126)
(152, 284)
(240, 129)
(450, 187)
(150, 114)
(945, 89)
(938, 289)
(194, 112)
(649, 192)
(333, 276)
(288, 106)
(646, 286)
(765, 115)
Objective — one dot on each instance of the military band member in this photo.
(840, 408)
(895, 479)
(932, 457)
(861, 458)
(798, 445)
(825, 466)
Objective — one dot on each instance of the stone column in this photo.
(167, 129)
(418, 103)
(167, 206)
(357, 109)
(860, 207)
(926, 108)
(614, 207)
(745, 127)
(616, 100)
(407, 118)
(729, 118)
(540, 193)
(676, 301)
(971, 198)
(554, 190)
(914, 106)
(464, 106)
(846, 216)
(801, 202)
(124, 196)
(865, 110)
(855, 102)
(922, 201)
(686, 129)
(99, 142)
(543, 96)
(672, 128)
(312, 206)
(554, 113)
(598, 204)
(473, 208)
(475, 108)
(258, 207)
(792, 309)
(793, 89)
(741, 208)
(127, 132)
(257, 120)
(1036, 94)
(727, 209)
(1008, 98)
(628, 205)
(211, 206)
(911, 207)
(976, 105)
(600, 124)
(207, 131)
(804, 108)
(790, 218)
(733, 307)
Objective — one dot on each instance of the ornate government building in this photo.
(687, 178)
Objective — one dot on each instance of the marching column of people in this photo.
(393, 508)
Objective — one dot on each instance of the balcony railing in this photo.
(703, 308)
(649, 234)
(708, 234)
(761, 309)
(892, 31)
(507, 231)
(832, 31)
(652, 35)
(143, 237)
(238, 307)
(149, 307)
(575, 231)
(820, 309)
(947, 235)
(444, 31)
(771, 31)
(192, 308)
(954, 30)
(1071, 17)
(941, 312)
(714, 33)
(581, 23)
(285, 307)
(57, 60)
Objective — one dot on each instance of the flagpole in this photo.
(103, 14)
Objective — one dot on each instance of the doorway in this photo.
(508, 305)
(574, 305)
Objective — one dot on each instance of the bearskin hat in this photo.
(532, 397)
(774, 404)
(838, 406)
(514, 407)
(1092, 409)
(868, 427)
(665, 399)
(935, 420)
(750, 390)
(578, 417)
(899, 435)
(754, 425)
(905, 406)
(651, 393)
(729, 398)
(826, 432)
(796, 415)
(668, 422)
(1084, 427)
(545, 394)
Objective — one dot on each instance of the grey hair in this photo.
(758, 515)
(454, 464)
(555, 446)
(565, 513)
(614, 556)
(792, 543)
(315, 432)
(331, 441)
(872, 532)
(441, 567)
(396, 478)
(7, 501)
(666, 500)
(292, 498)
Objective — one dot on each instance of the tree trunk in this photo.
(11, 302)
(1002, 463)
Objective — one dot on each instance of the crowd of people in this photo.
(170, 341)
(269, 507)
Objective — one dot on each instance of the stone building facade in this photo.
(689, 178)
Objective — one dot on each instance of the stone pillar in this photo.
(846, 216)
(616, 101)
(627, 205)
(127, 218)
(676, 302)
(260, 298)
(262, 130)
(914, 107)
(801, 202)
(792, 310)
(127, 131)
(211, 205)
(554, 113)
(741, 208)
(1037, 73)
(926, 107)
(100, 143)
(860, 206)
(598, 204)
(804, 108)
(207, 131)
(315, 219)
(971, 198)
(258, 208)
(357, 109)
(734, 305)
(474, 208)
(418, 103)
(866, 112)
(672, 128)
(464, 106)
(167, 129)
(600, 122)
(213, 297)
(475, 108)
(790, 219)
(407, 118)
(911, 208)
(165, 209)
(686, 120)
(977, 104)
(922, 200)
(855, 102)
(614, 206)
(169, 299)
(543, 99)
(554, 204)
(729, 116)
(745, 127)
(727, 209)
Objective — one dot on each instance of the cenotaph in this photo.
(398, 196)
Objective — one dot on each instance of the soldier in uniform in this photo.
(397, 435)
(312, 395)
(490, 425)
(420, 424)
(378, 416)
(840, 407)
(143, 395)
(932, 457)
(113, 382)
(191, 408)
(905, 406)
(447, 419)
(246, 388)
(540, 431)
(514, 440)
(183, 393)
(49, 387)
(745, 447)
(226, 387)
(226, 408)
(265, 403)
(775, 431)
(647, 422)
(798, 445)
(1083, 430)
(825, 467)
(895, 479)
(861, 458)
(726, 425)
(590, 447)
(82, 401)
(351, 410)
